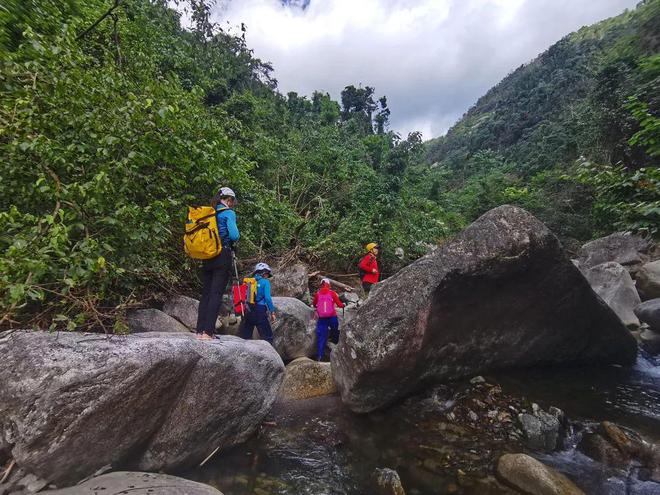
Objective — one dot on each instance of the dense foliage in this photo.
(114, 119)
(573, 136)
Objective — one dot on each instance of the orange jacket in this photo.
(368, 264)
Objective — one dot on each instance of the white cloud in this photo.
(431, 58)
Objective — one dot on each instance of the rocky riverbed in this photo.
(449, 439)
(424, 402)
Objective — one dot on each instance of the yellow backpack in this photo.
(251, 283)
(202, 238)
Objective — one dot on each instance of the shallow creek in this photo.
(436, 442)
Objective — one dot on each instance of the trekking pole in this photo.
(233, 257)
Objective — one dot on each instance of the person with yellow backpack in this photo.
(210, 236)
(259, 304)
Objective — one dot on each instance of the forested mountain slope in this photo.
(594, 94)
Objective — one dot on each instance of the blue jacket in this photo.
(227, 227)
(263, 293)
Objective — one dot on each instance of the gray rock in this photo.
(185, 309)
(73, 403)
(531, 476)
(350, 297)
(137, 483)
(612, 282)
(649, 313)
(20, 482)
(541, 431)
(650, 341)
(346, 314)
(230, 325)
(291, 281)
(153, 320)
(621, 247)
(648, 280)
(305, 378)
(294, 330)
(557, 413)
(500, 294)
(387, 482)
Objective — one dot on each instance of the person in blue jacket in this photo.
(257, 313)
(216, 272)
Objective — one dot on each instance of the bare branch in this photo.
(98, 21)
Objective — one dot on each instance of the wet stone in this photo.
(541, 431)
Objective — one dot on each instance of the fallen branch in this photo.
(341, 285)
(209, 456)
(8, 471)
(343, 275)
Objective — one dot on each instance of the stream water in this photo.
(317, 446)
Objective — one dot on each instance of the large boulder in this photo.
(73, 403)
(612, 282)
(531, 476)
(500, 294)
(305, 378)
(294, 331)
(624, 248)
(648, 280)
(291, 281)
(136, 483)
(649, 313)
(153, 320)
(185, 309)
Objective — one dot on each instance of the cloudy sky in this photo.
(431, 58)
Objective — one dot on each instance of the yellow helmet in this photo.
(371, 246)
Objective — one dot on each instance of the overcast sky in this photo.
(432, 58)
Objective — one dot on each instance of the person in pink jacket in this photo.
(325, 301)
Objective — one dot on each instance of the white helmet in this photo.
(226, 191)
(263, 267)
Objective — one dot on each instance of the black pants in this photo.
(215, 275)
(366, 286)
(257, 316)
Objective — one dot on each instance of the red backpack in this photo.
(325, 305)
(240, 293)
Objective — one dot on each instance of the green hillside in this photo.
(593, 94)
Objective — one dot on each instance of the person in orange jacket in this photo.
(368, 266)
